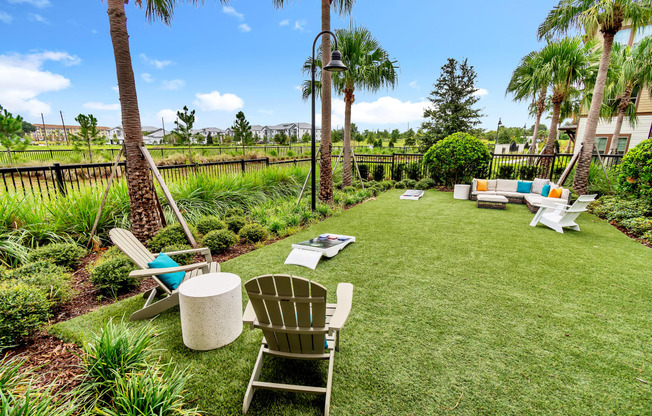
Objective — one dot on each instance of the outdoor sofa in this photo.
(509, 188)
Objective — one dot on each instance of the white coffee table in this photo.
(211, 310)
(492, 201)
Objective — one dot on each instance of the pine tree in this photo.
(88, 133)
(10, 130)
(209, 139)
(183, 132)
(452, 98)
(242, 131)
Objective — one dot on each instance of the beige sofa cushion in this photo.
(506, 185)
(491, 185)
(511, 194)
(537, 185)
(533, 199)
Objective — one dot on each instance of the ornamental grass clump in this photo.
(458, 158)
(219, 241)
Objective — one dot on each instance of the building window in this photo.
(601, 144)
(622, 145)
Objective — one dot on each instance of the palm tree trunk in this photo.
(541, 105)
(552, 134)
(581, 180)
(622, 107)
(349, 98)
(325, 164)
(145, 221)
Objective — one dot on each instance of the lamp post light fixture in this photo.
(500, 123)
(334, 65)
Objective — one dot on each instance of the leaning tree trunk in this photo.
(349, 98)
(622, 107)
(541, 105)
(549, 149)
(325, 164)
(581, 180)
(145, 220)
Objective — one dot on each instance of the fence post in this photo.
(242, 163)
(267, 161)
(391, 170)
(491, 164)
(61, 186)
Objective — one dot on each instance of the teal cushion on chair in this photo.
(171, 280)
(546, 190)
(524, 187)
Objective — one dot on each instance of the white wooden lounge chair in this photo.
(139, 254)
(297, 323)
(559, 215)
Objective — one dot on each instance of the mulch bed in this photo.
(630, 235)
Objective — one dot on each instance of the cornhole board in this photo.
(412, 194)
(308, 253)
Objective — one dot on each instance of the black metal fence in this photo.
(47, 181)
(79, 155)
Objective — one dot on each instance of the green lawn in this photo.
(451, 303)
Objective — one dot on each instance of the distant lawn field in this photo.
(456, 310)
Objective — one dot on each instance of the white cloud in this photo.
(385, 110)
(414, 85)
(173, 84)
(284, 22)
(34, 17)
(146, 77)
(155, 62)
(5, 17)
(481, 91)
(23, 79)
(94, 105)
(214, 101)
(244, 28)
(298, 88)
(36, 3)
(232, 12)
(167, 115)
(300, 25)
(115, 88)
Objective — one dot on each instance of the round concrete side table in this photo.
(461, 191)
(211, 310)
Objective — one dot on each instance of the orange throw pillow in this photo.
(555, 193)
(482, 184)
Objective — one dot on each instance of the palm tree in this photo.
(145, 221)
(325, 164)
(370, 69)
(528, 82)
(567, 65)
(606, 16)
(634, 72)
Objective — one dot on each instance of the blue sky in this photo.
(57, 55)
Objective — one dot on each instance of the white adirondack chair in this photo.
(139, 254)
(297, 323)
(558, 215)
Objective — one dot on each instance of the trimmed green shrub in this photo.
(234, 212)
(253, 233)
(169, 236)
(235, 223)
(209, 223)
(636, 171)
(527, 173)
(364, 170)
(182, 259)
(458, 158)
(112, 252)
(219, 241)
(648, 236)
(389, 184)
(400, 185)
(111, 277)
(506, 172)
(23, 309)
(348, 189)
(638, 226)
(397, 172)
(62, 254)
(379, 173)
(51, 279)
(618, 209)
(413, 171)
(425, 183)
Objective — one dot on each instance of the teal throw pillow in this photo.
(524, 187)
(171, 280)
(546, 190)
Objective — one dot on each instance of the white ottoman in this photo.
(211, 310)
(461, 191)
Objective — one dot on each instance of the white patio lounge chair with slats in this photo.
(140, 255)
(559, 215)
(297, 323)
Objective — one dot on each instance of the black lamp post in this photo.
(335, 65)
(500, 123)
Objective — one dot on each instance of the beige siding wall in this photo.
(638, 133)
(645, 103)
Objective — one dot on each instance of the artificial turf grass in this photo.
(451, 303)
